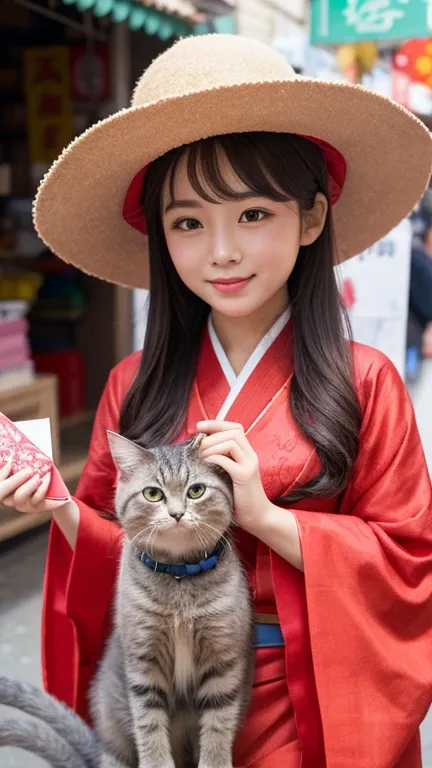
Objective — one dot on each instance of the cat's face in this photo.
(168, 499)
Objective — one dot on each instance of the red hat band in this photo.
(334, 161)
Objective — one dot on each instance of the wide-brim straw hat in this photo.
(218, 84)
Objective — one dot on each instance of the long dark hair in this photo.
(323, 398)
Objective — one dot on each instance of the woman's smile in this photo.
(232, 284)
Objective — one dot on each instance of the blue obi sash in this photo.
(268, 636)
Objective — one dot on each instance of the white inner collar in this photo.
(237, 382)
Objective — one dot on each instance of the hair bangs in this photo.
(205, 160)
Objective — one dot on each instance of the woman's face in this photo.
(235, 255)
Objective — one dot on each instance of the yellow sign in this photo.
(357, 59)
(49, 103)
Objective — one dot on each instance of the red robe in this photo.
(357, 624)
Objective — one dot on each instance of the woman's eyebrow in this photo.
(237, 196)
(182, 204)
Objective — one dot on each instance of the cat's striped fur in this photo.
(176, 676)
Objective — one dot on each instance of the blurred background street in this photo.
(65, 64)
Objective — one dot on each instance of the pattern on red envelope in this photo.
(13, 443)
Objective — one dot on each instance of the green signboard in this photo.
(335, 22)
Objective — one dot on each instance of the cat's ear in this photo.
(195, 443)
(127, 456)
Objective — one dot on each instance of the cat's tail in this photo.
(40, 739)
(63, 729)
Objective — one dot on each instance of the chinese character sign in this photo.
(375, 288)
(335, 22)
(49, 105)
(369, 17)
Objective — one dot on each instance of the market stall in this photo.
(64, 64)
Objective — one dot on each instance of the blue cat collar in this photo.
(180, 570)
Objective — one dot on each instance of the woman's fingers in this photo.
(11, 484)
(5, 469)
(41, 492)
(26, 492)
(214, 441)
(217, 438)
(224, 448)
(226, 463)
(23, 495)
(211, 426)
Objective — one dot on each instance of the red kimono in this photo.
(354, 680)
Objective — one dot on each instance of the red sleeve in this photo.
(368, 580)
(79, 584)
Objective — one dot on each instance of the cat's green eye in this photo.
(196, 491)
(153, 494)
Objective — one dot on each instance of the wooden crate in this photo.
(37, 400)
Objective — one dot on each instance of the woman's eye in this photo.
(196, 491)
(153, 494)
(187, 225)
(253, 215)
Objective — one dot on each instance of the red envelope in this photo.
(25, 454)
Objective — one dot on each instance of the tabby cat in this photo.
(176, 675)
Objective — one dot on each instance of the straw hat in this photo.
(217, 84)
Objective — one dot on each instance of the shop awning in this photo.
(165, 18)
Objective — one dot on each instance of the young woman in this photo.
(244, 185)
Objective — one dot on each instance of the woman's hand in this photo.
(25, 491)
(227, 446)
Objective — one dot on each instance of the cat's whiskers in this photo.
(162, 525)
(212, 528)
(143, 531)
(149, 540)
(152, 541)
(196, 529)
(197, 522)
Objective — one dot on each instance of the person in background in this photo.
(420, 291)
